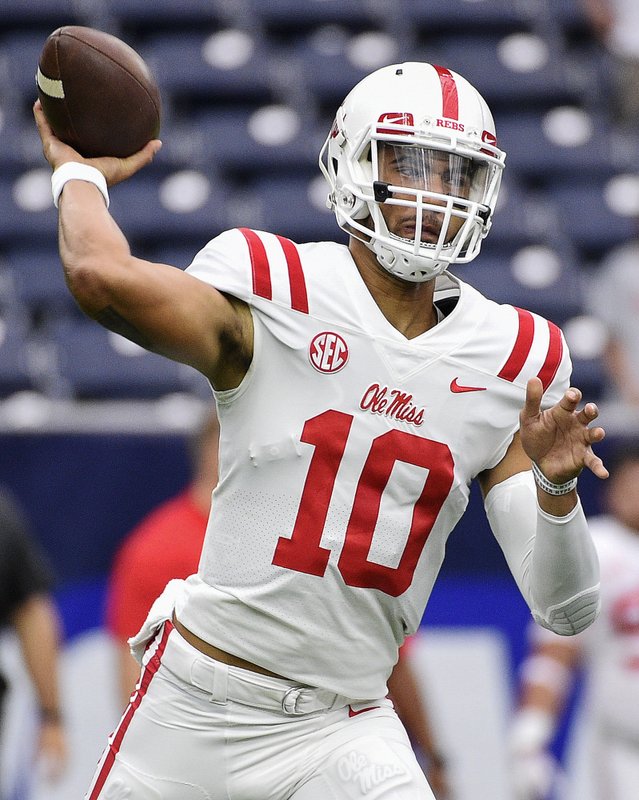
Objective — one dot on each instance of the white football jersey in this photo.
(346, 457)
(612, 642)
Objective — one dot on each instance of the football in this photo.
(97, 92)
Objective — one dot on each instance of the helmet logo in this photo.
(489, 138)
(328, 352)
(450, 123)
(395, 118)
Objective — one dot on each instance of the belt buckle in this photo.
(290, 699)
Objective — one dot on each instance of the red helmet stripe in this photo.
(450, 99)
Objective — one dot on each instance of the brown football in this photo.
(97, 93)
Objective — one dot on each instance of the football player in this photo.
(360, 391)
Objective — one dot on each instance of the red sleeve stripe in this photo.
(450, 99)
(259, 264)
(521, 348)
(299, 298)
(553, 357)
(117, 737)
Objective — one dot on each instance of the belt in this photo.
(223, 682)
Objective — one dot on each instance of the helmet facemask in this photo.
(447, 183)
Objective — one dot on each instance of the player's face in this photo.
(440, 174)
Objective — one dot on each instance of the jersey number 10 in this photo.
(329, 433)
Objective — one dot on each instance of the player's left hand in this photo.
(559, 439)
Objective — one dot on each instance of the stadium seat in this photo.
(202, 67)
(27, 214)
(581, 206)
(558, 143)
(290, 206)
(241, 141)
(535, 277)
(461, 16)
(38, 279)
(295, 17)
(96, 364)
(491, 63)
(15, 370)
(185, 206)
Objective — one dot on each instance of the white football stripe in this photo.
(50, 86)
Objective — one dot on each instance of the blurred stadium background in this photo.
(93, 430)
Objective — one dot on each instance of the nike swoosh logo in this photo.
(456, 388)
(353, 713)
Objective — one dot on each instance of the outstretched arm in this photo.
(542, 531)
(158, 306)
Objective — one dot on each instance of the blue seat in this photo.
(295, 16)
(555, 294)
(139, 207)
(460, 16)
(18, 223)
(96, 364)
(38, 279)
(581, 208)
(179, 63)
(40, 14)
(223, 139)
(283, 205)
(477, 59)
(538, 156)
(15, 369)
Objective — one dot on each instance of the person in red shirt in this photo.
(166, 544)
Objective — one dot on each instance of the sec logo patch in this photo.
(328, 352)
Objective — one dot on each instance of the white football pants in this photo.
(197, 729)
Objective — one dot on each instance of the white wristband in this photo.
(75, 171)
(555, 489)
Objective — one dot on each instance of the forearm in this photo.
(38, 628)
(93, 249)
(552, 558)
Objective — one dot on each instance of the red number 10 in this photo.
(329, 432)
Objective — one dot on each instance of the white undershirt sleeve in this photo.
(552, 559)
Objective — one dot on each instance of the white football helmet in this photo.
(420, 137)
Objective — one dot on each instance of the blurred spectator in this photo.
(614, 299)
(616, 24)
(167, 544)
(26, 606)
(608, 652)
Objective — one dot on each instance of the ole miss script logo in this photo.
(328, 352)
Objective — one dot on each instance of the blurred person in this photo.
(360, 391)
(616, 24)
(27, 607)
(167, 544)
(613, 298)
(607, 654)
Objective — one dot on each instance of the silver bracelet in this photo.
(76, 171)
(555, 489)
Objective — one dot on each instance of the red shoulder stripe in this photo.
(299, 298)
(553, 356)
(259, 264)
(116, 741)
(450, 98)
(521, 348)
